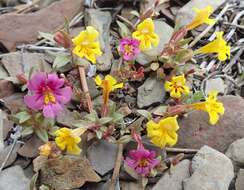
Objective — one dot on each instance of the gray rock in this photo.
(216, 84)
(186, 14)
(101, 20)
(94, 92)
(66, 117)
(211, 170)
(195, 130)
(152, 91)
(164, 32)
(174, 180)
(13, 179)
(240, 180)
(17, 63)
(236, 152)
(3, 153)
(102, 156)
(14, 102)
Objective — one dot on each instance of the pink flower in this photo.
(48, 94)
(142, 160)
(129, 48)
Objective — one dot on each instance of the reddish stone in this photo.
(23, 28)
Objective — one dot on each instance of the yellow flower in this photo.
(177, 86)
(219, 46)
(146, 35)
(45, 150)
(87, 44)
(164, 132)
(212, 106)
(68, 139)
(108, 85)
(202, 17)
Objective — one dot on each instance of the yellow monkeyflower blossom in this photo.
(146, 35)
(219, 46)
(108, 85)
(87, 44)
(177, 86)
(202, 17)
(67, 139)
(212, 106)
(163, 132)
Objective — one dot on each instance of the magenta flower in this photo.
(48, 93)
(142, 161)
(129, 48)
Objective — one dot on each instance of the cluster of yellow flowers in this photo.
(164, 131)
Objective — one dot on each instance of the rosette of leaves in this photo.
(34, 122)
(104, 127)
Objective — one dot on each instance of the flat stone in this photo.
(152, 91)
(66, 117)
(240, 180)
(216, 84)
(102, 156)
(68, 172)
(195, 130)
(13, 179)
(174, 180)
(3, 153)
(236, 152)
(211, 170)
(14, 102)
(17, 63)
(186, 14)
(31, 147)
(27, 26)
(6, 88)
(101, 20)
(164, 32)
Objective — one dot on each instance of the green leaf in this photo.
(125, 139)
(47, 36)
(81, 123)
(26, 131)
(105, 120)
(117, 117)
(61, 60)
(43, 187)
(53, 130)
(42, 134)
(135, 13)
(123, 29)
(145, 114)
(23, 116)
(99, 134)
(92, 116)
(33, 182)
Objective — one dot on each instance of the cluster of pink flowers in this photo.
(47, 92)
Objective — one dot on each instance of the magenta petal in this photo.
(34, 102)
(36, 81)
(54, 82)
(63, 95)
(52, 110)
(131, 163)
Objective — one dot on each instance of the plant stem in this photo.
(116, 167)
(85, 87)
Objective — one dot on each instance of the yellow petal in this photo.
(98, 80)
(112, 81)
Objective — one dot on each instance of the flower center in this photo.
(49, 97)
(128, 49)
(143, 163)
(145, 31)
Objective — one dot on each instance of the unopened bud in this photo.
(63, 39)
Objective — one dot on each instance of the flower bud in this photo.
(62, 39)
